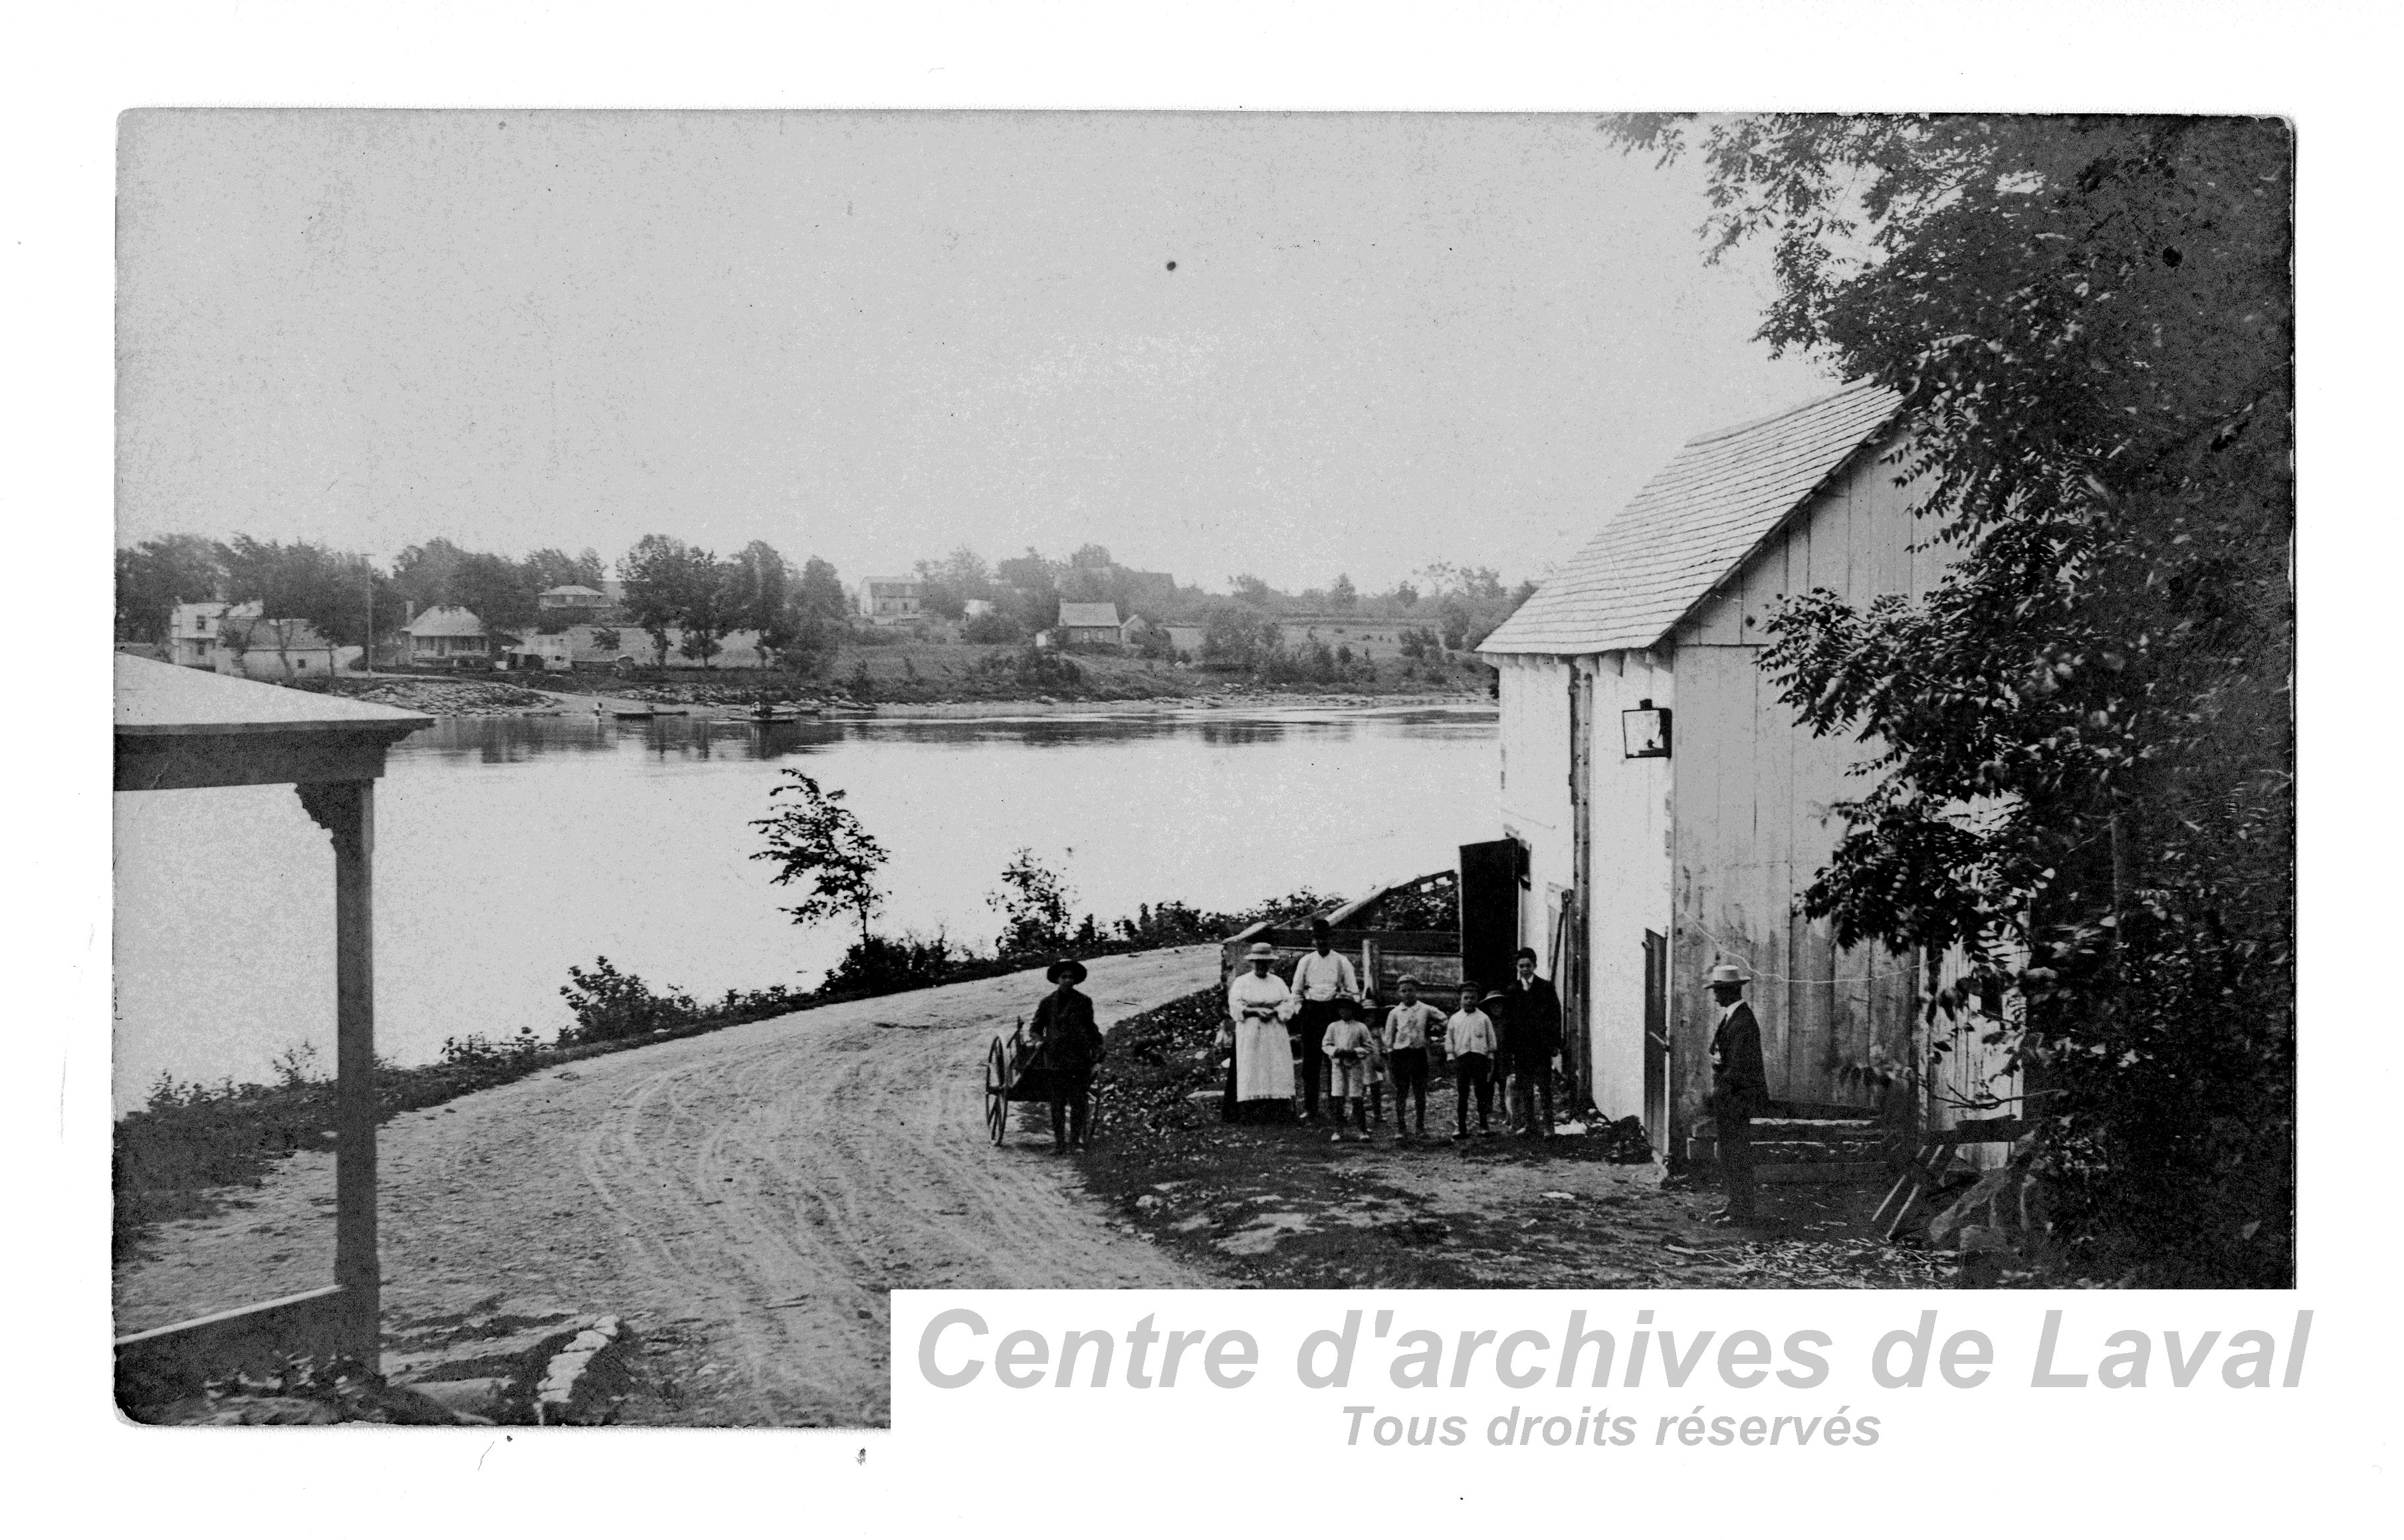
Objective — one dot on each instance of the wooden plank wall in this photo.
(1754, 824)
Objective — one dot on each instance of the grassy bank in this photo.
(190, 1145)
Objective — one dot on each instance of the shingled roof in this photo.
(1089, 614)
(1691, 527)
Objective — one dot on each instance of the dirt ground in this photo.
(744, 1199)
(1290, 1208)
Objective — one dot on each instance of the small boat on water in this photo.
(633, 716)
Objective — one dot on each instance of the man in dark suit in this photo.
(1070, 1043)
(1740, 1088)
(1530, 1021)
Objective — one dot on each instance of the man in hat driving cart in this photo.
(1069, 1043)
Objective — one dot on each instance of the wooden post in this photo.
(346, 811)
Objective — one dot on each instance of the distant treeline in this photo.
(1455, 605)
(688, 598)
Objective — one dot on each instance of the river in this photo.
(508, 847)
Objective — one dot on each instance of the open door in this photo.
(1656, 1039)
(1489, 910)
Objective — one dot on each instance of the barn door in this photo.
(1656, 1039)
(1489, 910)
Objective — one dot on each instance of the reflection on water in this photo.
(508, 847)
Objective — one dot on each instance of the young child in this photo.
(1374, 1063)
(1345, 1047)
(1470, 1036)
(1408, 1027)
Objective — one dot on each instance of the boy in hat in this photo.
(1345, 1047)
(1740, 1088)
(1408, 1027)
(1470, 1035)
(1070, 1043)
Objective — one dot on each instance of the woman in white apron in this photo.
(1261, 1080)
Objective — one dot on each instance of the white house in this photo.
(447, 633)
(892, 601)
(194, 631)
(236, 639)
(1667, 809)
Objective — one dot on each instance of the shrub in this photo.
(610, 1005)
(509, 1054)
(876, 965)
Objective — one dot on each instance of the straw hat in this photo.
(1261, 951)
(1071, 966)
(1729, 973)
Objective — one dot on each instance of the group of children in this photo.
(1362, 1060)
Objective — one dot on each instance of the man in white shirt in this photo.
(1320, 979)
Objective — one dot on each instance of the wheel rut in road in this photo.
(745, 1199)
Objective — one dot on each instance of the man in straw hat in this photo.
(1739, 1087)
(1070, 1042)
(1260, 1072)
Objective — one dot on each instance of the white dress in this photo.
(1264, 1055)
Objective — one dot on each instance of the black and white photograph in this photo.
(971, 768)
(720, 713)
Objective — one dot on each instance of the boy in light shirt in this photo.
(1470, 1036)
(1408, 1027)
(1347, 1050)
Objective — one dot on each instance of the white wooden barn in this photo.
(1639, 869)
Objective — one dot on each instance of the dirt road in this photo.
(744, 1199)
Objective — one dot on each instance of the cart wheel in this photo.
(997, 1094)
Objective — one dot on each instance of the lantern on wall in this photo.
(1646, 730)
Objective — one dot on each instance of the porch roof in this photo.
(179, 727)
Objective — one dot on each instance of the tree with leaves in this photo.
(2078, 750)
(155, 576)
(712, 607)
(500, 591)
(1341, 596)
(763, 592)
(657, 574)
(424, 573)
(300, 587)
(1033, 902)
(817, 842)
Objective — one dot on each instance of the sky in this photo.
(1386, 340)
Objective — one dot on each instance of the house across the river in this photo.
(1661, 809)
(1091, 626)
(450, 637)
